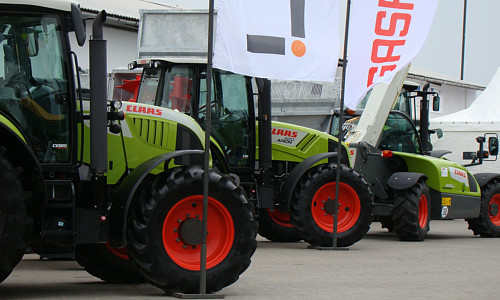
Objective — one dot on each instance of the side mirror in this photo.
(436, 101)
(78, 24)
(439, 133)
(493, 145)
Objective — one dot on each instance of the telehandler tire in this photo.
(165, 225)
(276, 226)
(412, 212)
(109, 264)
(14, 223)
(312, 206)
(488, 222)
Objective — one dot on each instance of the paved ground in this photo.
(450, 264)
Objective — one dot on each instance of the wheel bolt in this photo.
(177, 240)
(179, 221)
(187, 215)
(175, 229)
(184, 246)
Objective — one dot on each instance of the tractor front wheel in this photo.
(14, 223)
(165, 231)
(276, 226)
(411, 214)
(488, 222)
(313, 206)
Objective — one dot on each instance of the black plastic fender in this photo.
(404, 180)
(294, 177)
(484, 178)
(439, 153)
(122, 199)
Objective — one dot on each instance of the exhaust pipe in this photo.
(98, 98)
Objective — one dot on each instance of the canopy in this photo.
(484, 110)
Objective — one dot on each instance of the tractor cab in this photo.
(34, 85)
(181, 85)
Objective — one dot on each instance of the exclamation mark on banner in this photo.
(297, 18)
(276, 45)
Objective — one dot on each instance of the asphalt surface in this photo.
(450, 264)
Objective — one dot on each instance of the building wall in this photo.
(121, 47)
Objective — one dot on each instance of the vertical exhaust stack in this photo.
(266, 190)
(98, 98)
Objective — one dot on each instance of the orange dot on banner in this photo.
(298, 48)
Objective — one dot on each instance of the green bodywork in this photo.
(443, 175)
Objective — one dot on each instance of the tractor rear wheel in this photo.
(276, 226)
(165, 231)
(488, 222)
(312, 207)
(411, 214)
(14, 223)
(109, 264)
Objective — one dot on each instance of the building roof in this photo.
(120, 9)
(436, 78)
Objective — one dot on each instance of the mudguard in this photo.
(484, 178)
(123, 197)
(439, 153)
(295, 175)
(404, 180)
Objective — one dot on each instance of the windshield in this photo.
(33, 83)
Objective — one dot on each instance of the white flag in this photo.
(278, 39)
(384, 37)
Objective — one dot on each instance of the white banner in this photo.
(278, 39)
(384, 36)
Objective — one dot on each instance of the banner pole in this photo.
(341, 121)
(203, 254)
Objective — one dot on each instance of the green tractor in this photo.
(413, 184)
(125, 202)
(288, 171)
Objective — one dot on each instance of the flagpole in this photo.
(203, 254)
(341, 121)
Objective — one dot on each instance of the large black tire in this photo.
(276, 226)
(488, 222)
(14, 223)
(164, 231)
(411, 214)
(109, 264)
(312, 206)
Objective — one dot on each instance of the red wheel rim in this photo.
(280, 218)
(495, 218)
(348, 211)
(220, 228)
(423, 211)
(121, 253)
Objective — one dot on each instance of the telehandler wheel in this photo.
(14, 223)
(412, 212)
(313, 201)
(109, 264)
(276, 226)
(488, 222)
(165, 225)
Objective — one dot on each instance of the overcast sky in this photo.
(443, 48)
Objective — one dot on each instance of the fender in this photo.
(439, 153)
(484, 178)
(295, 175)
(123, 197)
(404, 180)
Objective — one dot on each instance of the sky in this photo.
(442, 51)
